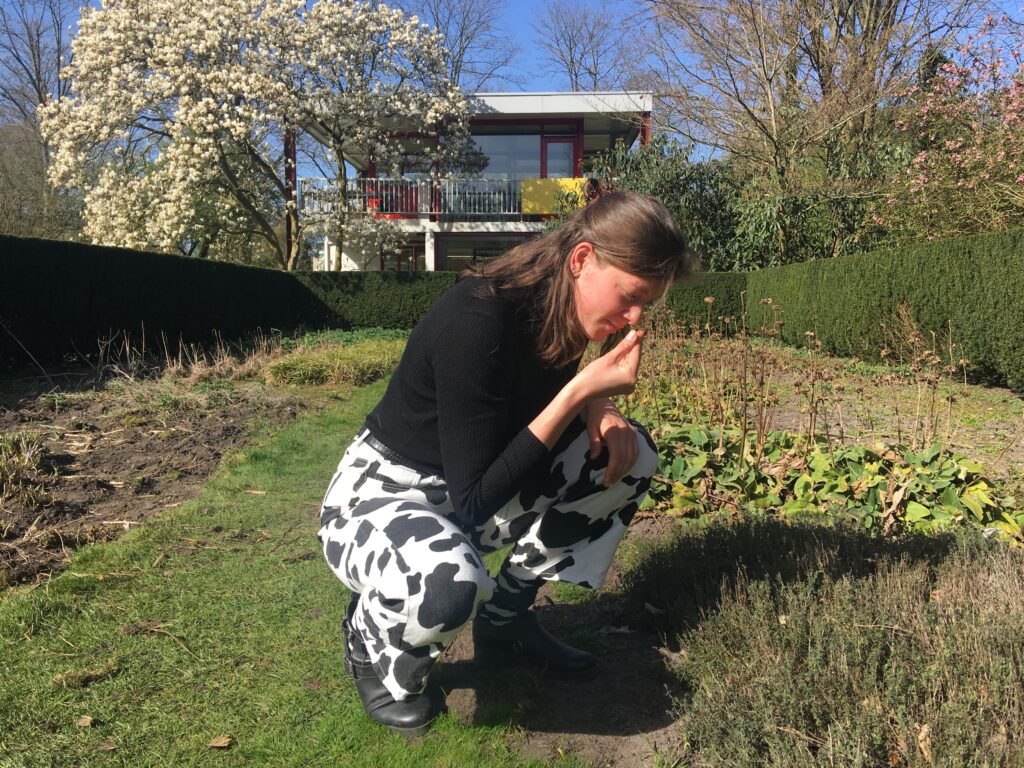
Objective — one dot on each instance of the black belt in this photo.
(396, 457)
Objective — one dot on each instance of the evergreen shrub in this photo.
(374, 299)
(969, 289)
(59, 298)
(686, 298)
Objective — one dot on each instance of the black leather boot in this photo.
(525, 641)
(410, 718)
(346, 634)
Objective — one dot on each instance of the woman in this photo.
(490, 436)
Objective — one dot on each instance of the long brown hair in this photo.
(628, 230)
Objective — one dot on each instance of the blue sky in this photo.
(519, 14)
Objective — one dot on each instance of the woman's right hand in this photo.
(615, 372)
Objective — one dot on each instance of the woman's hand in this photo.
(615, 372)
(608, 427)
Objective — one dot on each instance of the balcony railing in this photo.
(412, 198)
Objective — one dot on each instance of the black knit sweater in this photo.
(459, 403)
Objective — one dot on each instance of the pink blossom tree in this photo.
(965, 131)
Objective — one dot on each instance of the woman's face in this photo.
(608, 298)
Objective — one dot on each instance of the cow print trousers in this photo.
(391, 535)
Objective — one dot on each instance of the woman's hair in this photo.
(628, 230)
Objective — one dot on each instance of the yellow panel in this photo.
(541, 196)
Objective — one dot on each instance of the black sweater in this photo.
(468, 385)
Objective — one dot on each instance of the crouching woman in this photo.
(489, 436)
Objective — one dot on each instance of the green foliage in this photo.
(688, 298)
(710, 474)
(358, 363)
(699, 195)
(966, 290)
(373, 299)
(737, 219)
(314, 339)
(58, 299)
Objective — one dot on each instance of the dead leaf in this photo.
(106, 746)
(221, 742)
(652, 609)
(141, 626)
(255, 492)
(84, 722)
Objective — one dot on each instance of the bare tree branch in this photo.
(479, 56)
(589, 44)
(770, 80)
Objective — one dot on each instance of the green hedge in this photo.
(686, 298)
(58, 299)
(971, 287)
(376, 299)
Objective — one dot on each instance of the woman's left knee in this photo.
(646, 463)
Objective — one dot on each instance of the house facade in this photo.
(533, 147)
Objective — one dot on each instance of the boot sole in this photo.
(410, 733)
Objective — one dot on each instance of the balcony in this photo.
(446, 199)
(442, 200)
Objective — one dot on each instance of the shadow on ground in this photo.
(632, 694)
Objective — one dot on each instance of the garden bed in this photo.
(680, 599)
(107, 457)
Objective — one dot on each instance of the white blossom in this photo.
(174, 124)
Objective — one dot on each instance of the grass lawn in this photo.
(214, 624)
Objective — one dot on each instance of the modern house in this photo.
(534, 147)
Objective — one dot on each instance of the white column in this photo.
(429, 253)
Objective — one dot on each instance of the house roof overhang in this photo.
(608, 116)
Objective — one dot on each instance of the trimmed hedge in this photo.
(375, 299)
(970, 287)
(686, 298)
(57, 298)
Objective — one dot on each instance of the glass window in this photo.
(505, 129)
(510, 156)
(560, 165)
(458, 253)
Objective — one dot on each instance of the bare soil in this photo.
(117, 453)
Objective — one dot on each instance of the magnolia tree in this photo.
(174, 127)
(966, 130)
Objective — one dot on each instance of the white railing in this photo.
(412, 198)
